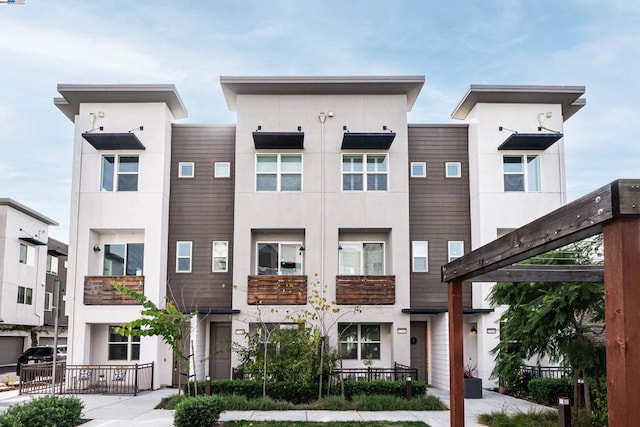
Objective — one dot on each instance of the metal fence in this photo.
(545, 372)
(86, 379)
(397, 373)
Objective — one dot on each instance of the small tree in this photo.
(168, 322)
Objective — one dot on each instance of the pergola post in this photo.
(456, 358)
(622, 317)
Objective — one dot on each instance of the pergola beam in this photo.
(545, 273)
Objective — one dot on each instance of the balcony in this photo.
(365, 290)
(277, 290)
(99, 290)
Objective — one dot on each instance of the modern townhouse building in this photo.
(30, 261)
(321, 186)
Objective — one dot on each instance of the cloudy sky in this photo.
(191, 43)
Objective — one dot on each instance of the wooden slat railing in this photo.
(99, 290)
(277, 290)
(365, 290)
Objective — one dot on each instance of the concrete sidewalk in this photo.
(116, 410)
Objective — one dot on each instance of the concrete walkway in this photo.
(116, 410)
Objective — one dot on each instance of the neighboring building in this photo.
(28, 259)
(320, 181)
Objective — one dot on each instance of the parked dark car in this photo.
(39, 355)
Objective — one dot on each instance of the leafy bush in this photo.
(531, 419)
(392, 388)
(170, 402)
(546, 391)
(201, 411)
(49, 411)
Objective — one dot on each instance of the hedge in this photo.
(49, 411)
(201, 411)
(546, 391)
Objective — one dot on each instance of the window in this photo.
(420, 256)
(355, 177)
(280, 258)
(52, 265)
(25, 295)
(361, 258)
(418, 170)
(359, 342)
(48, 301)
(222, 170)
(186, 170)
(517, 177)
(27, 254)
(455, 249)
(220, 257)
(279, 172)
(453, 170)
(121, 347)
(183, 257)
(122, 259)
(119, 173)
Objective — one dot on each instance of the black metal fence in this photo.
(545, 372)
(86, 379)
(397, 373)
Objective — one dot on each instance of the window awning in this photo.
(55, 252)
(113, 141)
(33, 241)
(367, 141)
(530, 141)
(279, 140)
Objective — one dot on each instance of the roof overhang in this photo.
(56, 252)
(113, 141)
(279, 140)
(26, 210)
(367, 141)
(75, 94)
(530, 141)
(566, 96)
(232, 86)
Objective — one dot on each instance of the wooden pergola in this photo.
(613, 210)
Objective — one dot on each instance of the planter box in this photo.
(473, 388)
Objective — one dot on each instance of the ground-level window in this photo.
(25, 295)
(420, 256)
(123, 259)
(220, 257)
(357, 258)
(521, 173)
(359, 341)
(284, 258)
(121, 347)
(455, 249)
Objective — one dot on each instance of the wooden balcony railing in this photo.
(365, 290)
(277, 290)
(98, 290)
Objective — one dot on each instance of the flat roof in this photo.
(26, 210)
(75, 94)
(232, 86)
(567, 96)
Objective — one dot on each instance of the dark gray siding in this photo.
(60, 251)
(438, 206)
(201, 211)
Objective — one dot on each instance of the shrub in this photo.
(547, 390)
(201, 411)
(530, 419)
(392, 388)
(49, 411)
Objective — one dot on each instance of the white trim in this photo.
(213, 256)
(279, 243)
(178, 257)
(181, 173)
(362, 243)
(458, 165)
(278, 172)
(450, 243)
(220, 175)
(423, 165)
(364, 171)
(425, 246)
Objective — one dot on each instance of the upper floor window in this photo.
(122, 347)
(119, 173)
(25, 295)
(280, 258)
(222, 170)
(184, 254)
(359, 341)
(186, 170)
(27, 254)
(220, 257)
(364, 172)
(48, 301)
(521, 173)
(52, 265)
(453, 170)
(420, 256)
(361, 258)
(279, 172)
(455, 249)
(124, 259)
(418, 169)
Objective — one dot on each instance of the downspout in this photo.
(322, 117)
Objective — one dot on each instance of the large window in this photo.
(279, 172)
(359, 342)
(121, 347)
(25, 295)
(27, 254)
(279, 258)
(455, 249)
(364, 172)
(119, 173)
(361, 258)
(220, 257)
(521, 173)
(52, 265)
(420, 256)
(124, 259)
(184, 254)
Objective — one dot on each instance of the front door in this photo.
(418, 342)
(220, 351)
